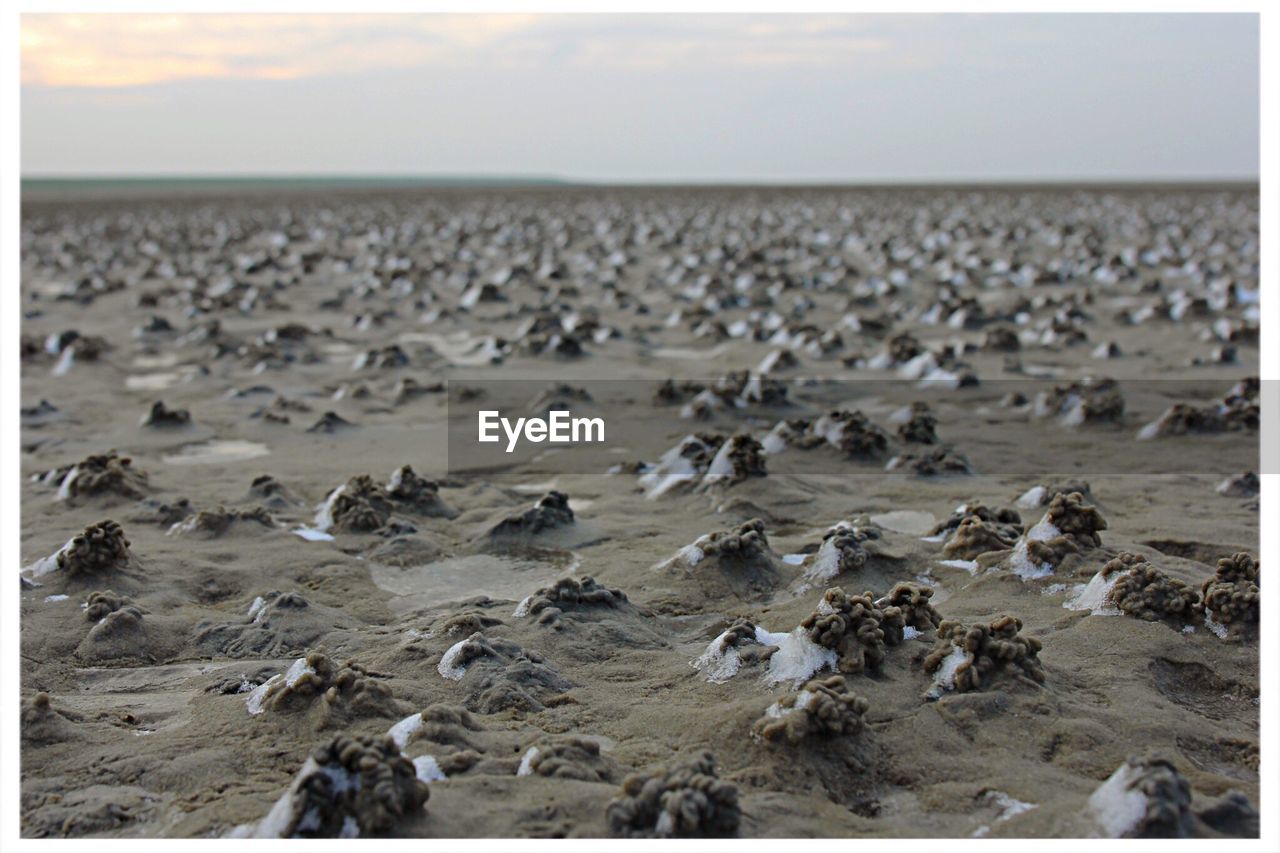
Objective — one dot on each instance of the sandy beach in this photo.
(921, 512)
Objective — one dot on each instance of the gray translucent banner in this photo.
(741, 425)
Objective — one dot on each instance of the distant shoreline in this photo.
(56, 188)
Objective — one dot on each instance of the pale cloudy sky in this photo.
(644, 97)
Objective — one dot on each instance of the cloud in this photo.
(110, 50)
(118, 50)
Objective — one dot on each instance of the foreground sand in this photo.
(265, 307)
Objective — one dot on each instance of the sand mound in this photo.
(99, 604)
(568, 758)
(824, 708)
(352, 786)
(842, 550)
(921, 427)
(550, 603)
(99, 551)
(974, 537)
(1230, 602)
(971, 657)
(97, 475)
(1068, 526)
(549, 513)
(1089, 401)
(41, 723)
(907, 612)
(161, 416)
(684, 799)
(736, 562)
(276, 624)
(213, 523)
(1239, 410)
(932, 464)
(326, 693)
(741, 644)
(849, 625)
(1144, 798)
(739, 458)
(497, 674)
(124, 632)
(1144, 591)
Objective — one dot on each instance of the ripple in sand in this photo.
(217, 450)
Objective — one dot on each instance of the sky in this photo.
(644, 98)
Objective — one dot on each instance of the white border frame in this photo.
(10, 207)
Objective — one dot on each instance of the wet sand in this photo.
(260, 315)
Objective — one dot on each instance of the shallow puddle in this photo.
(683, 354)
(215, 451)
(152, 381)
(456, 578)
(905, 521)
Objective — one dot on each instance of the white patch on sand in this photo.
(1115, 806)
(797, 658)
(526, 763)
(403, 731)
(64, 488)
(47, 564)
(324, 512)
(721, 467)
(938, 377)
(1020, 562)
(690, 555)
(944, 680)
(1152, 430)
(826, 564)
(776, 440)
(1032, 498)
(671, 470)
(1219, 630)
(803, 700)
(254, 703)
(719, 662)
(428, 769)
(1009, 806)
(52, 598)
(65, 362)
(970, 566)
(794, 559)
(312, 535)
(522, 609)
(448, 666)
(1093, 595)
(296, 671)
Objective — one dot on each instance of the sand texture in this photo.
(923, 515)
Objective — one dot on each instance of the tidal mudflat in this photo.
(939, 515)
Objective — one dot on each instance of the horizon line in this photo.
(491, 180)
